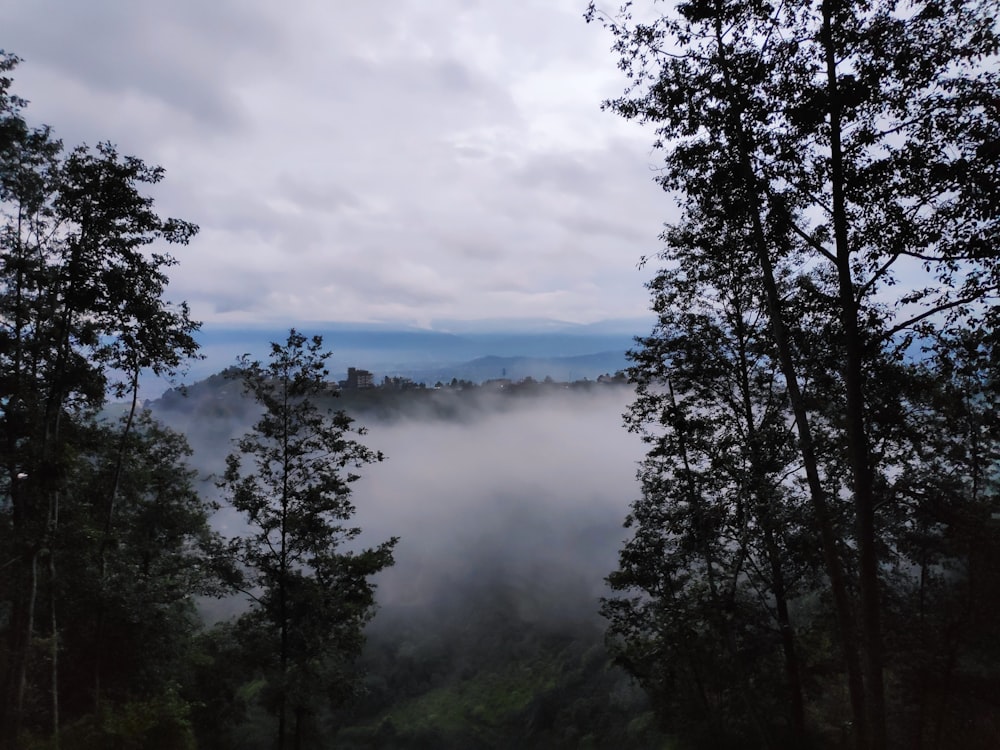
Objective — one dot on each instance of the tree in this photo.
(291, 476)
(861, 139)
(941, 602)
(718, 549)
(82, 283)
(128, 611)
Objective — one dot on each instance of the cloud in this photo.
(180, 55)
(530, 492)
(443, 160)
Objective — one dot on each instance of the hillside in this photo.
(508, 500)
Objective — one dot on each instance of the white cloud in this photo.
(403, 161)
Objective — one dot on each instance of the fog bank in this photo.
(528, 498)
(509, 501)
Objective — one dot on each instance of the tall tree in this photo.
(82, 286)
(717, 553)
(864, 137)
(309, 586)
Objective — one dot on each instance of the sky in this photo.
(405, 162)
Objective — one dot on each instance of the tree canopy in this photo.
(844, 157)
(291, 477)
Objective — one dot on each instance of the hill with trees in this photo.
(811, 550)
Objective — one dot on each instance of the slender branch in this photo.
(929, 313)
(811, 241)
(884, 269)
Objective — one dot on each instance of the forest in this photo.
(811, 557)
(190, 571)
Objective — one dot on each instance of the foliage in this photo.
(82, 284)
(159, 723)
(846, 155)
(475, 674)
(720, 542)
(310, 595)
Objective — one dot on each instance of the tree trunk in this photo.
(54, 650)
(21, 616)
(793, 674)
(857, 436)
(23, 653)
(720, 602)
(106, 539)
(765, 517)
(283, 563)
(780, 334)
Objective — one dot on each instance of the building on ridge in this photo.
(358, 379)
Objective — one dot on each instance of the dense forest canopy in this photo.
(819, 393)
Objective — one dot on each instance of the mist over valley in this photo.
(508, 501)
(528, 483)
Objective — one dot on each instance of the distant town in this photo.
(358, 379)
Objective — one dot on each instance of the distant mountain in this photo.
(587, 366)
(565, 351)
(627, 326)
(377, 347)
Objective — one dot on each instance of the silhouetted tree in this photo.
(718, 548)
(82, 282)
(291, 477)
(128, 606)
(862, 140)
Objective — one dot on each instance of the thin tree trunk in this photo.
(19, 640)
(828, 536)
(722, 620)
(792, 670)
(25, 650)
(119, 463)
(106, 539)
(765, 518)
(283, 585)
(54, 652)
(857, 436)
(780, 334)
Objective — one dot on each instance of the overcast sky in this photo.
(410, 161)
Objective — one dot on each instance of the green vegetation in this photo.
(291, 477)
(819, 392)
(495, 681)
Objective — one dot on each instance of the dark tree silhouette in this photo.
(291, 477)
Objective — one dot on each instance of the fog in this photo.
(531, 497)
(514, 502)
